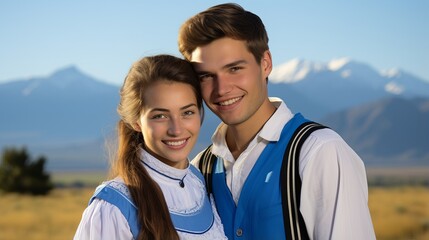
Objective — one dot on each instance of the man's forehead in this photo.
(198, 66)
(206, 62)
(199, 55)
(202, 60)
(219, 53)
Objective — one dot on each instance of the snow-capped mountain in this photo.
(391, 80)
(299, 70)
(61, 81)
(342, 83)
(66, 106)
(403, 83)
(295, 70)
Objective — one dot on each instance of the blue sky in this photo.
(103, 38)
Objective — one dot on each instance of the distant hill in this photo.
(68, 115)
(392, 131)
(65, 107)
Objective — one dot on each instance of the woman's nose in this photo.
(175, 128)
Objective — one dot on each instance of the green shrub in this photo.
(18, 173)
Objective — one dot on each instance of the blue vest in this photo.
(258, 214)
(117, 193)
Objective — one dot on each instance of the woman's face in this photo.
(170, 122)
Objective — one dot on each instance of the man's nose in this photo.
(223, 85)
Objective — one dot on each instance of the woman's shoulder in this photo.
(103, 220)
(114, 186)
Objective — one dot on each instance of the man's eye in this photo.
(235, 69)
(205, 77)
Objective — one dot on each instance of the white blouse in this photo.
(102, 220)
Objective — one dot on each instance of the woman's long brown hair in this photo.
(153, 215)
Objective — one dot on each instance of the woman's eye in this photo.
(188, 113)
(159, 116)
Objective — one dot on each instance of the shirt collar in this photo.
(161, 167)
(270, 131)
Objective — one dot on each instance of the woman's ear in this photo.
(136, 127)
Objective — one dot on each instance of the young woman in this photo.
(156, 193)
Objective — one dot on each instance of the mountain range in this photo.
(340, 84)
(390, 132)
(69, 115)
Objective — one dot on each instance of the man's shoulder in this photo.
(196, 160)
(326, 140)
(326, 135)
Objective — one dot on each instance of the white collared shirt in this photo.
(334, 193)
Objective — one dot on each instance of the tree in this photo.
(19, 174)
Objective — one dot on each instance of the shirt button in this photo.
(239, 232)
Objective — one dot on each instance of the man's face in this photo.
(233, 83)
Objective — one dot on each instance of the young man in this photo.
(228, 47)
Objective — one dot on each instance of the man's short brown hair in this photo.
(224, 20)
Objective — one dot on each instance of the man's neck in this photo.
(239, 136)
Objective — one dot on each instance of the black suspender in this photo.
(207, 161)
(290, 180)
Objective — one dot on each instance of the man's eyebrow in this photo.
(229, 65)
(235, 63)
(202, 72)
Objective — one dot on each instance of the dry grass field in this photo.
(398, 212)
(55, 216)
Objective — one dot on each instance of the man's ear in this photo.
(267, 63)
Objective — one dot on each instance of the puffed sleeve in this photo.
(102, 220)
